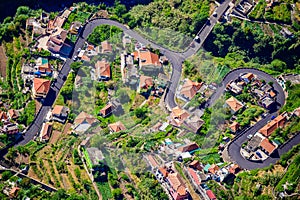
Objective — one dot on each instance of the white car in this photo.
(249, 136)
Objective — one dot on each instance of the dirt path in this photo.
(3, 60)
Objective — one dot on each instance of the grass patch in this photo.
(105, 190)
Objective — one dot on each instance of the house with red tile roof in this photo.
(270, 127)
(103, 71)
(148, 61)
(248, 77)
(234, 104)
(194, 176)
(57, 41)
(177, 187)
(83, 122)
(107, 110)
(213, 168)
(60, 113)
(178, 116)
(189, 147)
(13, 193)
(40, 87)
(234, 127)
(196, 165)
(3, 116)
(234, 169)
(12, 114)
(189, 89)
(116, 127)
(146, 82)
(106, 47)
(46, 132)
(267, 146)
(211, 195)
(163, 171)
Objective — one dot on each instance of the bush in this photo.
(117, 193)
(6, 175)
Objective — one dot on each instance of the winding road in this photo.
(235, 145)
(176, 59)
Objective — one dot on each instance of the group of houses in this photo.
(141, 70)
(264, 92)
(197, 173)
(58, 114)
(50, 34)
(259, 147)
(9, 123)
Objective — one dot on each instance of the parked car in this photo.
(249, 136)
(258, 154)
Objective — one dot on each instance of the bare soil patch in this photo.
(3, 60)
(55, 136)
(67, 128)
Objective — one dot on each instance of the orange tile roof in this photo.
(116, 127)
(177, 183)
(190, 88)
(14, 191)
(269, 128)
(106, 46)
(272, 93)
(178, 113)
(46, 131)
(164, 171)
(41, 85)
(194, 163)
(107, 109)
(3, 115)
(249, 76)
(57, 109)
(211, 195)
(90, 47)
(147, 58)
(45, 68)
(85, 58)
(83, 116)
(267, 145)
(234, 169)
(234, 104)
(234, 126)
(13, 113)
(189, 147)
(103, 68)
(194, 176)
(146, 82)
(213, 168)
